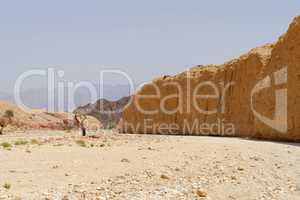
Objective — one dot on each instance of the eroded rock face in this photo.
(107, 112)
(256, 95)
(37, 119)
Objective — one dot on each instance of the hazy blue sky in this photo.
(144, 38)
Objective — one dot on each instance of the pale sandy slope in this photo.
(147, 167)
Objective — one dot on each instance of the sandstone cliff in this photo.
(256, 95)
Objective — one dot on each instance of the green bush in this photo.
(5, 145)
(20, 142)
(111, 125)
(81, 143)
(34, 141)
(9, 114)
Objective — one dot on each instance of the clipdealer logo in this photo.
(279, 122)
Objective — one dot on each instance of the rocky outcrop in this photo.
(256, 95)
(36, 119)
(107, 112)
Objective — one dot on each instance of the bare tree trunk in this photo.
(1, 130)
(83, 131)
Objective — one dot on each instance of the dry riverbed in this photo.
(106, 165)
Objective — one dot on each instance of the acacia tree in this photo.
(6, 120)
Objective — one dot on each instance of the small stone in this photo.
(164, 177)
(102, 145)
(65, 197)
(240, 169)
(125, 160)
(201, 193)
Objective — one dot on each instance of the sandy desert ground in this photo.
(106, 165)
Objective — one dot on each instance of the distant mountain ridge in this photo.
(37, 98)
(5, 96)
(107, 112)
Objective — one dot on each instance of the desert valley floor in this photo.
(107, 165)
